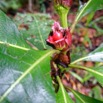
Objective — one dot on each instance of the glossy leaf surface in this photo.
(24, 73)
(26, 78)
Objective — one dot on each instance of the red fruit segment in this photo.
(57, 36)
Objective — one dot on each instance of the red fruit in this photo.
(57, 36)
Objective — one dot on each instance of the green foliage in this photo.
(9, 34)
(21, 68)
(90, 6)
(6, 4)
(96, 55)
(42, 6)
(25, 73)
(62, 96)
(80, 98)
(26, 78)
(99, 70)
(94, 24)
(38, 28)
(96, 93)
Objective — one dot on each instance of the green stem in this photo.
(80, 59)
(62, 12)
(63, 20)
(78, 67)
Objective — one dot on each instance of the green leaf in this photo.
(98, 77)
(90, 6)
(3, 5)
(80, 98)
(26, 78)
(81, 79)
(96, 55)
(62, 96)
(38, 28)
(96, 93)
(6, 4)
(94, 24)
(24, 73)
(97, 72)
(9, 34)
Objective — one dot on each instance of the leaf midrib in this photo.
(24, 74)
(14, 46)
(40, 35)
(62, 88)
(87, 57)
(78, 16)
(78, 96)
(86, 68)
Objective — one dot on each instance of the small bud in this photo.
(67, 3)
(62, 8)
(64, 3)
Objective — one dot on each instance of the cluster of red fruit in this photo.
(59, 38)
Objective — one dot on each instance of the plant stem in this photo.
(63, 20)
(80, 59)
(62, 12)
(78, 67)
